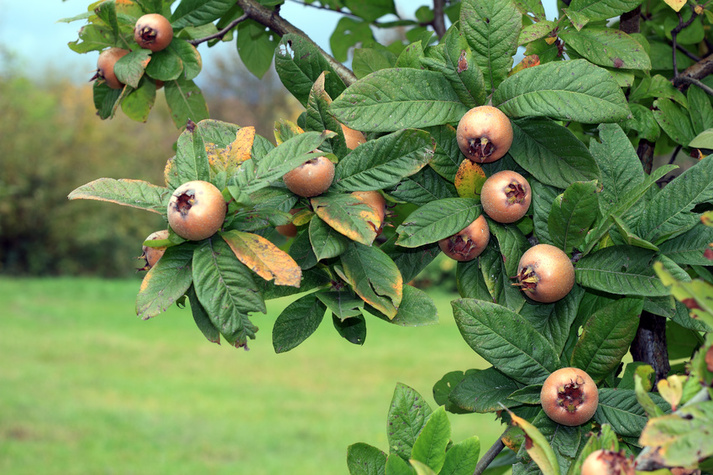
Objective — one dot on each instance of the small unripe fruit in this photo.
(196, 210)
(569, 396)
(105, 66)
(506, 196)
(468, 243)
(376, 202)
(484, 134)
(545, 273)
(153, 32)
(153, 254)
(608, 462)
(288, 230)
(312, 178)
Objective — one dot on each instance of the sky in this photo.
(29, 28)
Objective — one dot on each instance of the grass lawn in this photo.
(88, 388)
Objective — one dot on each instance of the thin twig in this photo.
(272, 19)
(674, 34)
(690, 80)
(222, 32)
(439, 21)
(489, 456)
(687, 53)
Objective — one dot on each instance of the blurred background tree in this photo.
(52, 142)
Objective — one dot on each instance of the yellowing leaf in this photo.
(264, 258)
(676, 4)
(537, 446)
(671, 389)
(469, 179)
(239, 151)
(348, 216)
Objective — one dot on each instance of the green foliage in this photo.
(586, 103)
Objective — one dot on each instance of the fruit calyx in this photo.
(479, 149)
(185, 202)
(515, 192)
(571, 395)
(527, 279)
(148, 34)
(461, 246)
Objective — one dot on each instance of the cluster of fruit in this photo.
(152, 32)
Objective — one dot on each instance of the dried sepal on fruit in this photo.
(196, 210)
(484, 134)
(469, 243)
(569, 396)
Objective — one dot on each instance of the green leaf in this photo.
(551, 153)
(348, 33)
(297, 322)
(326, 241)
(407, 416)
(226, 290)
(484, 390)
(535, 31)
(374, 277)
(371, 10)
(186, 102)
(395, 465)
(105, 99)
(165, 282)
(620, 166)
(606, 337)
(700, 109)
(347, 215)
(566, 90)
(623, 270)
(106, 11)
(670, 212)
(506, 340)
(133, 193)
(256, 46)
(165, 65)
(394, 99)
(573, 213)
(364, 459)
(93, 37)
(492, 28)
(410, 261)
(689, 247)
(417, 309)
(318, 119)
(437, 220)
(190, 58)
(595, 10)
(383, 162)
(199, 12)
(299, 63)
(496, 279)
(656, 87)
(201, 318)
(674, 120)
(352, 329)
(130, 68)
(462, 458)
(191, 162)
(368, 60)
(703, 140)
(138, 103)
(542, 198)
(620, 408)
(642, 121)
(607, 47)
(430, 445)
(423, 187)
(343, 303)
(684, 437)
(447, 157)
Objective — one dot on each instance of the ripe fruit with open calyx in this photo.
(376, 202)
(608, 462)
(468, 243)
(196, 210)
(153, 254)
(484, 134)
(153, 32)
(105, 66)
(312, 178)
(506, 196)
(545, 273)
(569, 396)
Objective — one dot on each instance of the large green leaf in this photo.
(186, 102)
(297, 322)
(565, 90)
(430, 445)
(410, 261)
(595, 10)
(447, 156)
(318, 118)
(166, 282)
(573, 213)
(462, 458)
(394, 99)
(347, 215)
(130, 68)
(407, 416)
(326, 241)
(620, 408)
(299, 63)
(674, 120)
(348, 33)
(226, 290)
(165, 65)
(690, 247)
(670, 212)
(133, 193)
(484, 390)
(417, 309)
(138, 103)
(383, 162)
(491, 27)
(374, 277)
(621, 270)
(191, 162)
(506, 340)
(364, 459)
(423, 187)
(437, 220)
(199, 12)
(700, 109)
(201, 318)
(606, 337)
(551, 153)
(256, 47)
(607, 47)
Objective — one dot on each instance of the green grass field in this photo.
(88, 388)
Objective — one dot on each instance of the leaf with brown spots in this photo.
(264, 258)
(348, 215)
